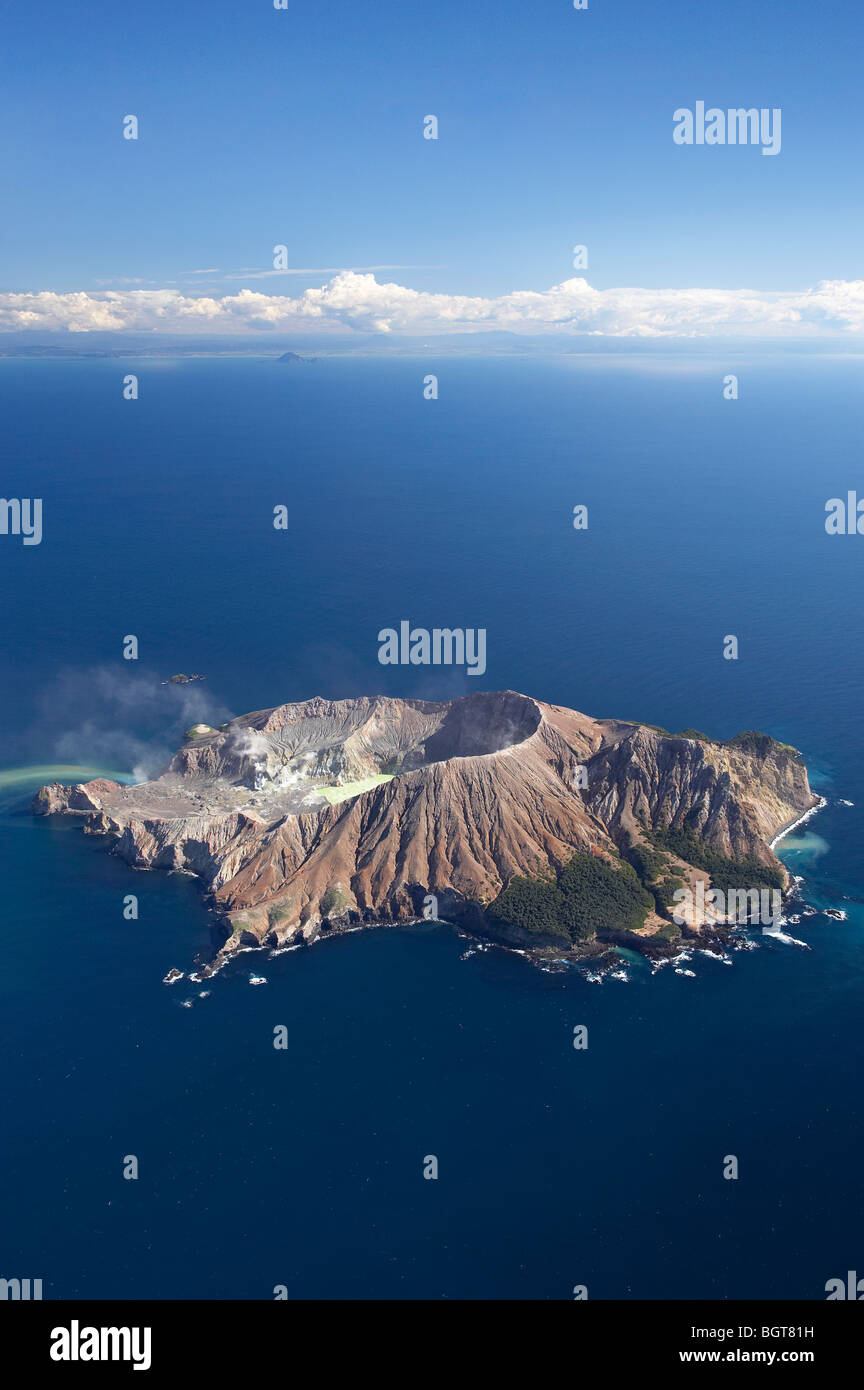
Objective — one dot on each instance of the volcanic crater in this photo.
(306, 817)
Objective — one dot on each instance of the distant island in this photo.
(524, 823)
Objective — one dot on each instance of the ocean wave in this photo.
(787, 830)
(712, 955)
(777, 934)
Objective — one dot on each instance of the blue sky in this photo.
(303, 127)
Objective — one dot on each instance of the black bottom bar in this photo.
(227, 1338)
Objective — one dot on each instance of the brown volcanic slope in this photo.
(482, 788)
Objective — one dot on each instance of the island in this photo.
(523, 823)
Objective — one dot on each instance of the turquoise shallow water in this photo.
(304, 1167)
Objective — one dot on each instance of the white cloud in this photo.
(358, 301)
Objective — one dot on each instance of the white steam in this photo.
(125, 720)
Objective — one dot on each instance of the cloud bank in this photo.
(351, 300)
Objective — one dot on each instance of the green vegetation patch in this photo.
(668, 932)
(664, 892)
(587, 895)
(532, 904)
(598, 895)
(648, 862)
(653, 867)
(751, 741)
(725, 873)
(334, 901)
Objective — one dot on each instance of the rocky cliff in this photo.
(329, 812)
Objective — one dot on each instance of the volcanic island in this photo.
(522, 823)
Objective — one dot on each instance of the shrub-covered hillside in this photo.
(586, 895)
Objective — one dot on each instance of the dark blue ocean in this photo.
(304, 1168)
